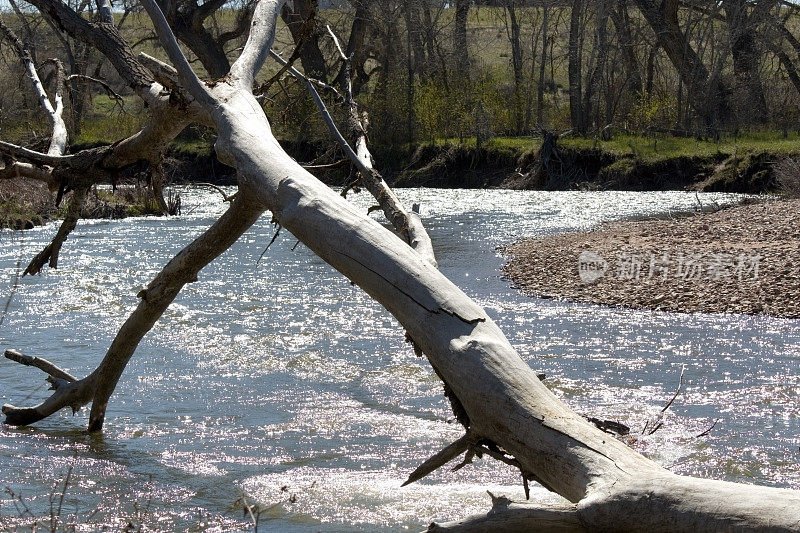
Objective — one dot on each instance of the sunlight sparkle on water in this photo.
(283, 374)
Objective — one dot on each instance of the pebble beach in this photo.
(743, 259)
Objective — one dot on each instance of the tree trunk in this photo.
(748, 89)
(207, 49)
(575, 71)
(708, 97)
(357, 48)
(542, 63)
(302, 25)
(516, 66)
(614, 487)
(591, 98)
(413, 49)
(622, 24)
(460, 51)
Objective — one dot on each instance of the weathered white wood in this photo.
(501, 394)
(510, 517)
(58, 138)
(256, 49)
(17, 169)
(42, 364)
(164, 73)
(438, 460)
(412, 229)
(611, 486)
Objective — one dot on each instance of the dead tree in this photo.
(506, 411)
(58, 146)
(170, 111)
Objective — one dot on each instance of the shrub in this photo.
(787, 176)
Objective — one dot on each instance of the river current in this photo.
(277, 381)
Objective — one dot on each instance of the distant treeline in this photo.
(425, 69)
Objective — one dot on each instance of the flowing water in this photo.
(281, 382)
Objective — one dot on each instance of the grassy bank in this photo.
(744, 163)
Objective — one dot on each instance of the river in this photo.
(280, 382)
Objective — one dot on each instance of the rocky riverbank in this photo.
(743, 259)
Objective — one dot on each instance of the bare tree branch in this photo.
(259, 41)
(187, 76)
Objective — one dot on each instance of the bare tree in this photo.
(301, 21)
(460, 49)
(742, 28)
(507, 413)
(575, 53)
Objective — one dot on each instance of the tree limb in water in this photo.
(507, 409)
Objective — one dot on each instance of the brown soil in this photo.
(744, 259)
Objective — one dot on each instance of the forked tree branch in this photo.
(262, 34)
(182, 269)
(160, 292)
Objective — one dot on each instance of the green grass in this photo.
(651, 149)
(510, 143)
(110, 120)
(659, 148)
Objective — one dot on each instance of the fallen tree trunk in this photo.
(506, 410)
(504, 400)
